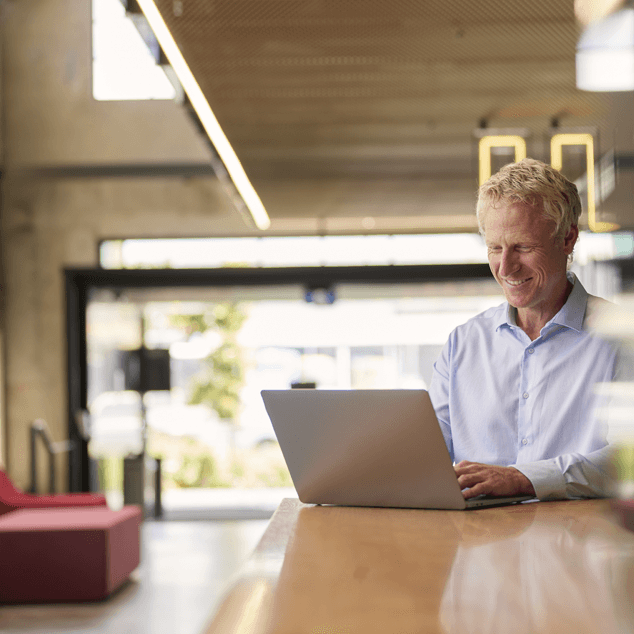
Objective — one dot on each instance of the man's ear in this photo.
(570, 239)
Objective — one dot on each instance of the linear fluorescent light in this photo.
(205, 114)
(500, 140)
(556, 160)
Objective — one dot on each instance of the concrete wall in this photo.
(3, 428)
(51, 120)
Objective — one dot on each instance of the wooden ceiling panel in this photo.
(315, 89)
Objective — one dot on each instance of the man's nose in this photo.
(509, 262)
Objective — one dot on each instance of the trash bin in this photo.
(142, 483)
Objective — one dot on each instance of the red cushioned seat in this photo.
(12, 498)
(67, 554)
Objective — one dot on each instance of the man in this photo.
(513, 387)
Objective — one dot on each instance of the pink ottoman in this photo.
(12, 498)
(67, 554)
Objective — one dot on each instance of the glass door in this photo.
(223, 346)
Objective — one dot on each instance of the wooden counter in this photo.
(539, 567)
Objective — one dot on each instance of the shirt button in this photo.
(531, 350)
(524, 441)
(525, 395)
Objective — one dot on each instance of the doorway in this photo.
(218, 450)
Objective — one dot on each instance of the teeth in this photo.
(515, 282)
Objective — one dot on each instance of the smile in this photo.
(516, 282)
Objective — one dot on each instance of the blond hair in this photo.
(536, 184)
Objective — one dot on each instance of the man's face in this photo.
(527, 262)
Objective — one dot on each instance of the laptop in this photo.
(367, 448)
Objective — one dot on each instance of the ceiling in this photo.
(362, 115)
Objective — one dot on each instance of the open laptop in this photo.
(367, 448)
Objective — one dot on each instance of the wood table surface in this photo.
(565, 566)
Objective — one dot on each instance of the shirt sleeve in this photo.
(570, 475)
(439, 394)
(575, 475)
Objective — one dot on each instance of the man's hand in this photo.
(479, 479)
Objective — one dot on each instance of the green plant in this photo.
(238, 470)
(208, 475)
(110, 473)
(197, 472)
(276, 477)
(218, 385)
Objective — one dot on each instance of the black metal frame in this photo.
(79, 282)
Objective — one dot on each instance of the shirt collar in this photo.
(573, 311)
(571, 314)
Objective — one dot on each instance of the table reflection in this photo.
(532, 568)
(346, 569)
(565, 571)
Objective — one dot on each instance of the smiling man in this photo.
(513, 387)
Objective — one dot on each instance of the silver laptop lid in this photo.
(364, 448)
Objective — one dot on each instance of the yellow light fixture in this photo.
(205, 114)
(500, 140)
(556, 160)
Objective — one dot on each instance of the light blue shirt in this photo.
(503, 399)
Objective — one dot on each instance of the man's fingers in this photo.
(469, 479)
(474, 484)
(464, 465)
(475, 490)
(477, 479)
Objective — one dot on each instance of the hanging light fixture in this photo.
(204, 112)
(605, 54)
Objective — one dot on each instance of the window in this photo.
(123, 66)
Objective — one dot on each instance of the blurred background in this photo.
(201, 200)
